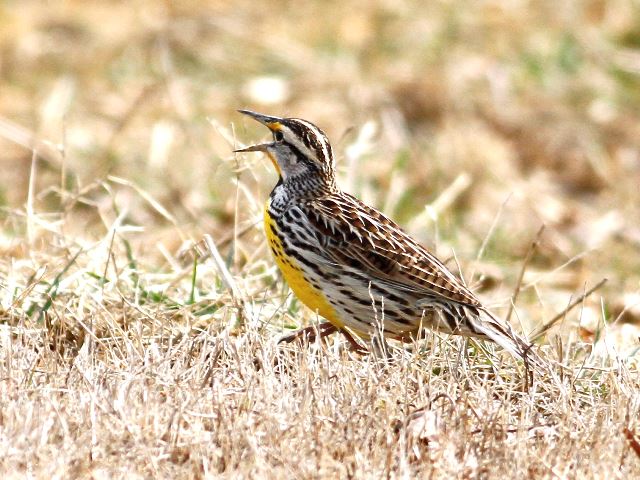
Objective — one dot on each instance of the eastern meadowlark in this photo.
(353, 265)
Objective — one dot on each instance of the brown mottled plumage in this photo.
(351, 263)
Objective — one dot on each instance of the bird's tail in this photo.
(500, 332)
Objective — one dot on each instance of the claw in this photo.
(311, 333)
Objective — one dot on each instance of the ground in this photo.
(131, 347)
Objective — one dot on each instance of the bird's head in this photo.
(300, 151)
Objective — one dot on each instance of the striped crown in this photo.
(300, 151)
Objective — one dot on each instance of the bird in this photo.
(353, 265)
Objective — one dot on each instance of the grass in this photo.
(132, 346)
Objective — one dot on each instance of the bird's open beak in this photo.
(254, 148)
(271, 122)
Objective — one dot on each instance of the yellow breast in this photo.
(293, 274)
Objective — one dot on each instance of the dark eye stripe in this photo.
(314, 140)
(299, 155)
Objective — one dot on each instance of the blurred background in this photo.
(456, 118)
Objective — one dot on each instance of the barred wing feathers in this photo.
(351, 233)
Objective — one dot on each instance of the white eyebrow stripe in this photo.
(298, 143)
(322, 139)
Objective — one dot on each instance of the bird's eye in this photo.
(278, 136)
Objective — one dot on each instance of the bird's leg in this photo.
(355, 346)
(310, 333)
(379, 347)
(323, 329)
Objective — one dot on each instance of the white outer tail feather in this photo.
(501, 333)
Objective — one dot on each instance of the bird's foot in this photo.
(311, 333)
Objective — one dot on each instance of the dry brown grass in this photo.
(126, 353)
